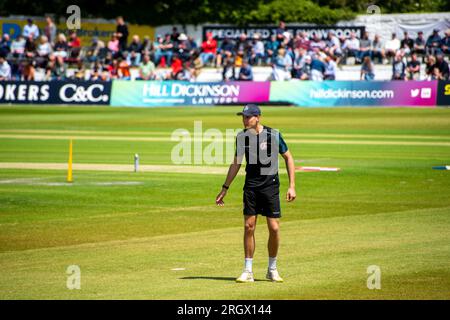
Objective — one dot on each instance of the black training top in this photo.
(261, 154)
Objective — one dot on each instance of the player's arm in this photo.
(290, 167)
(232, 172)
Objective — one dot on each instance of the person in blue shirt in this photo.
(246, 73)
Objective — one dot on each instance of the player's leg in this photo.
(249, 248)
(273, 244)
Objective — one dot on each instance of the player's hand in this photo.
(220, 196)
(291, 195)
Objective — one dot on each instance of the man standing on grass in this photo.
(260, 145)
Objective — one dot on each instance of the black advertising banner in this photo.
(55, 92)
(221, 32)
(443, 93)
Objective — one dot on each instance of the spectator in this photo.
(96, 51)
(429, 66)
(176, 67)
(271, 48)
(228, 72)
(398, 68)
(134, 51)
(123, 71)
(113, 69)
(364, 47)
(442, 65)
(392, 46)
(28, 71)
(209, 49)
(299, 55)
(157, 49)
(30, 29)
(61, 47)
(122, 33)
(306, 70)
(5, 45)
(419, 44)
(74, 46)
(80, 72)
(243, 49)
(258, 53)
(280, 31)
(193, 45)
(317, 44)
(246, 72)
(197, 65)
(407, 43)
(166, 50)
(50, 30)
(351, 47)
(44, 49)
(175, 35)
(226, 47)
(184, 74)
(318, 68)
(113, 45)
(55, 70)
(367, 69)
(445, 44)
(18, 47)
(183, 48)
(333, 45)
(433, 43)
(377, 50)
(5, 68)
(413, 68)
(282, 66)
(147, 69)
(30, 47)
(331, 68)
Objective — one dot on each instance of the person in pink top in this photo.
(113, 45)
(209, 49)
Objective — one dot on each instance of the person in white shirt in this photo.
(18, 46)
(392, 46)
(30, 28)
(5, 69)
(351, 46)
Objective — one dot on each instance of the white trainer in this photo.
(274, 276)
(246, 276)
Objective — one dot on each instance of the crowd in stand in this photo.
(176, 56)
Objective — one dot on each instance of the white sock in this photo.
(248, 264)
(273, 263)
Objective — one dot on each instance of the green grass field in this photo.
(127, 231)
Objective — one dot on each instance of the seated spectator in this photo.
(318, 68)
(184, 74)
(30, 47)
(433, 44)
(147, 69)
(74, 45)
(113, 69)
(351, 47)
(407, 43)
(228, 72)
(436, 75)
(398, 68)
(258, 52)
(299, 55)
(192, 44)
(377, 50)
(413, 68)
(5, 68)
(44, 49)
(134, 51)
(367, 69)
(56, 69)
(123, 71)
(166, 51)
(113, 45)
(183, 48)
(209, 49)
(331, 68)
(147, 47)
(30, 29)
(442, 65)
(271, 48)
(61, 47)
(430, 64)
(80, 72)
(306, 70)
(245, 72)
(364, 47)
(317, 43)
(5, 45)
(226, 47)
(445, 44)
(282, 66)
(157, 49)
(18, 47)
(197, 65)
(333, 46)
(96, 51)
(243, 49)
(419, 44)
(392, 46)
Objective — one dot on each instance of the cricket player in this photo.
(260, 145)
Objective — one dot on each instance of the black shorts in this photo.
(264, 201)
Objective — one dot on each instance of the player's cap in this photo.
(250, 110)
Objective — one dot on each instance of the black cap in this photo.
(250, 110)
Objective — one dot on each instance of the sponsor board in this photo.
(443, 94)
(355, 93)
(55, 92)
(173, 93)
